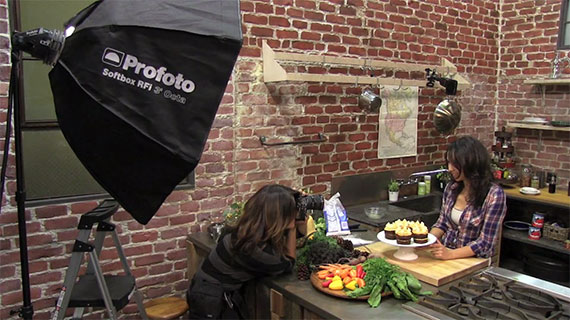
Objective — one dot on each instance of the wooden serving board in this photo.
(428, 269)
(317, 283)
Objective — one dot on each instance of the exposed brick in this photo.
(148, 259)
(234, 165)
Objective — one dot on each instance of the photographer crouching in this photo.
(261, 244)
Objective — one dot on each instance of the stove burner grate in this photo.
(484, 297)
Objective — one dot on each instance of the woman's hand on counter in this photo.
(439, 251)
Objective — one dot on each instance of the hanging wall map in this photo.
(398, 127)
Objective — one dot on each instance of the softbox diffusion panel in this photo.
(137, 88)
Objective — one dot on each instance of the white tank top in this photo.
(456, 215)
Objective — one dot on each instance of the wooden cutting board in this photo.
(427, 269)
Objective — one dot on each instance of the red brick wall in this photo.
(234, 163)
(529, 32)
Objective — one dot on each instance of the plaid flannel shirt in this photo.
(478, 228)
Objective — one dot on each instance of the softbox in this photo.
(136, 90)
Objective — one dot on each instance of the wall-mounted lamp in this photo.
(449, 84)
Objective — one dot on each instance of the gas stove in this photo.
(496, 294)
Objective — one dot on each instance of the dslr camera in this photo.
(449, 84)
(308, 202)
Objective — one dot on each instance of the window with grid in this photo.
(564, 32)
(52, 172)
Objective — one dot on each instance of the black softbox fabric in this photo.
(136, 90)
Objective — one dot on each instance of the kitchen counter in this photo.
(303, 294)
(560, 198)
(390, 213)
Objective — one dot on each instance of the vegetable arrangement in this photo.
(381, 276)
(320, 249)
(342, 276)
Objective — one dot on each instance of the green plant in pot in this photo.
(393, 190)
(233, 212)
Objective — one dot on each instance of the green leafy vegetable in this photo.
(382, 276)
(375, 296)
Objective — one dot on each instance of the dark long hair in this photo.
(472, 159)
(265, 218)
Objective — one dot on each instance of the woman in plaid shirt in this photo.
(473, 207)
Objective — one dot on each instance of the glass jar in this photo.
(526, 175)
(535, 182)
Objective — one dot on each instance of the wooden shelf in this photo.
(559, 199)
(274, 72)
(536, 126)
(548, 81)
(522, 236)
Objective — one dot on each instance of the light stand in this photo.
(45, 45)
(27, 310)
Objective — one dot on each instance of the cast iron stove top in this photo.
(489, 296)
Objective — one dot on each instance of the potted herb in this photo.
(442, 179)
(233, 212)
(393, 190)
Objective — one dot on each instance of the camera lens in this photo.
(309, 202)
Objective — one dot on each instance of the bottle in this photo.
(535, 182)
(421, 188)
(427, 180)
(551, 183)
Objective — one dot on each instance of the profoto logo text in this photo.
(158, 75)
(131, 63)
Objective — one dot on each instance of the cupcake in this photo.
(420, 233)
(403, 235)
(390, 231)
(412, 224)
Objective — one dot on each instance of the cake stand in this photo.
(406, 252)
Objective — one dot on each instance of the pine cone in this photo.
(303, 272)
(347, 245)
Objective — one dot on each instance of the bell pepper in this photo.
(360, 282)
(346, 280)
(337, 278)
(344, 273)
(336, 285)
(351, 285)
(359, 271)
(352, 273)
(326, 283)
(322, 274)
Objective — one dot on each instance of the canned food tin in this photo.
(538, 220)
(534, 233)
